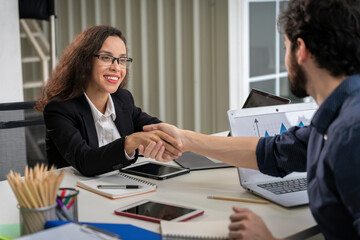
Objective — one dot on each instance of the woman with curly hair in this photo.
(91, 121)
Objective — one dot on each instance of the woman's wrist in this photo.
(130, 144)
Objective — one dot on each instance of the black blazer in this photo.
(71, 137)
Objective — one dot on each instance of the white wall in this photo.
(238, 52)
(10, 56)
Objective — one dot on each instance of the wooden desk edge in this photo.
(307, 233)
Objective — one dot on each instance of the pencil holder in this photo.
(66, 209)
(33, 219)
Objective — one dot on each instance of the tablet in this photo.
(193, 161)
(156, 211)
(258, 98)
(155, 170)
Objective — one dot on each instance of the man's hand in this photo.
(247, 225)
(156, 142)
(177, 133)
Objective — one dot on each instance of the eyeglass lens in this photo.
(108, 60)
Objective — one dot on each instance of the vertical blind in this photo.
(180, 50)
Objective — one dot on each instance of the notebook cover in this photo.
(111, 197)
(195, 230)
(125, 231)
(119, 178)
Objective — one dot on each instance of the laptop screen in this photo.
(259, 98)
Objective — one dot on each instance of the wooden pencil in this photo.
(38, 188)
(238, 199)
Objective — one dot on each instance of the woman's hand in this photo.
(176, 133)
(159, 145)
(155, 151)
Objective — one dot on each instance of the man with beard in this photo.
(322, 40)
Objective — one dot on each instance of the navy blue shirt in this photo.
(329, 150)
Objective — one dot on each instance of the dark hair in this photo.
(330, 30)
(73, 71)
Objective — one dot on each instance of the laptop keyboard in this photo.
(288, 186)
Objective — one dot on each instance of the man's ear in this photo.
(302, 52)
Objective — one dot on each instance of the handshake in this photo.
(162, 142)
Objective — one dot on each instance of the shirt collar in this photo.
(329, 108)
(110, 109)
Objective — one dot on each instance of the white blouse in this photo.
(106, 129)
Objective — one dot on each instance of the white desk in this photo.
(189, 190)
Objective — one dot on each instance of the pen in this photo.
(238, 199)
(63, 211)
(67, 199)
(71, 203)
(63, 192)
(118, 186)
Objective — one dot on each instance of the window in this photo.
(266, 49)
(262, 49)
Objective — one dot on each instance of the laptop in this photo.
(289, 191)
(256, 98)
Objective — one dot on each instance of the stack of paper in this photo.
(194, 230)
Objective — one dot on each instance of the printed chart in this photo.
(270, 124)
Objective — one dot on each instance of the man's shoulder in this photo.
(350, 110)
(348, 118)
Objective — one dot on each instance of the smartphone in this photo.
(156, 211)
(154, 170)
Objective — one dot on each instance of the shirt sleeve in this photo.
(282, 154)
(345, 158)
(130, 156)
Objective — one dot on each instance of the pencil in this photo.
(238, 199)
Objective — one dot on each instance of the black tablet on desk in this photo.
(155, 170)
(194, 161)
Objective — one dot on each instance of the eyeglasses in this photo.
(107, 60)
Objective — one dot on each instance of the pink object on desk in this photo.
(71, 203)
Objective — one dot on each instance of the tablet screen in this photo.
(258, 98)
(154, 169)
(158, 210)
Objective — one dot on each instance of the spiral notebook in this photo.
(117, 179)
(194, 230)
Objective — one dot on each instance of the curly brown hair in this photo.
(73, 71)
(330, 30)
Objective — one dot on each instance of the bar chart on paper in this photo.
(272, 124)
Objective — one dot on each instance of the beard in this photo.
(297, 78)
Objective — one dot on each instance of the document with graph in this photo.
(257, 124)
